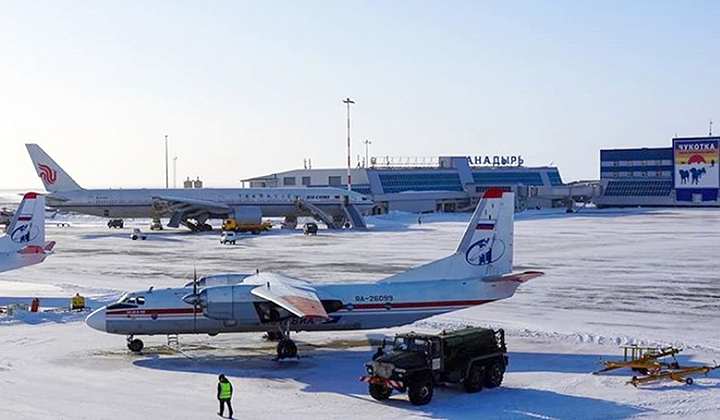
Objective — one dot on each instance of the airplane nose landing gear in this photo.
(134, 344)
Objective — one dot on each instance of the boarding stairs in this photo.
(177, 218)
(316, 212)
(173, 340)
(354, 216)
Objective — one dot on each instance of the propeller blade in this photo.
(195, 303)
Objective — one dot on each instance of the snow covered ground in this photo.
(613, 277)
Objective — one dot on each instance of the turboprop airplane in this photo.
(192, 207)
(480, 271)
(24, 241)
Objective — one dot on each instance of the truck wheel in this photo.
(475, 378)
(420, 394)
(494, 375)
(380, 392)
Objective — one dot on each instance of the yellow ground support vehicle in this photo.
(646, 361)
(641, 359)
(678, 373)
(254, 228)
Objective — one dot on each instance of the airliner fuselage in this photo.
(273, 202)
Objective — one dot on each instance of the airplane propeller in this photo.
(195, 303)
(193, 298)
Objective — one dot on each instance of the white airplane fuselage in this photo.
(234, 309)
(273, 202)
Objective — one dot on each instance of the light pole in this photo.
(166, 164)
(367, 142)
(175, 172)
(347, 102)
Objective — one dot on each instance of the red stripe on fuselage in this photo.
(418, 305)
(359, 306)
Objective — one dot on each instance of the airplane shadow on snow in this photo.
(337, 371)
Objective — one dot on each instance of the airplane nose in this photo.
(96, 320)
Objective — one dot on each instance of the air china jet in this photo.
(192, 207)
(24, 241)
(478, 272)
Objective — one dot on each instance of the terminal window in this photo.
(645, 187)
(306, 180)
(334, 180)
(289, 180)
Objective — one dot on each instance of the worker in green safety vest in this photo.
(224, 394)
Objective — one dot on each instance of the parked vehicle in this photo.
(473, 357)
(310, 228)
(116, 223)
(254, 228)
(137, 234)
(228, 237)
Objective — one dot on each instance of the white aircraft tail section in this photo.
(485, 250)
(27, 228)
(52, 175)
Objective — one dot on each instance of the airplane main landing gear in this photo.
(134, 344)
(286, 347)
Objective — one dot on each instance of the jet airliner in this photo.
(193, 207)
(480, 271)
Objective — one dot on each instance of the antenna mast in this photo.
(167, 183)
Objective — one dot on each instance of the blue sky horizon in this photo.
(245, 89)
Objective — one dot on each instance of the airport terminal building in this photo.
(685, 174)
(442, 184)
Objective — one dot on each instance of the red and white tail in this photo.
(24, 242)
(27, 227)
(53, 177)
(486, 247)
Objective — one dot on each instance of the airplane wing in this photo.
(301, 302)
(188, 204)
(187, 208)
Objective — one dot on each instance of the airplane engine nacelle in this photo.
(246, 215)
(229, 304)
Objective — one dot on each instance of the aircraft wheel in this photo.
(380, 392)
(286, 348)
(206, 227)
(689, 381)
(136, 345)
(475, 378)
(420, 394)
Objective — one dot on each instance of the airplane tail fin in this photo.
(27, 228)
(52, 175)
(486, 247)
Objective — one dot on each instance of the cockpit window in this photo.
(140, 300)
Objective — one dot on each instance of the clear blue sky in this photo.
(249, 88)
